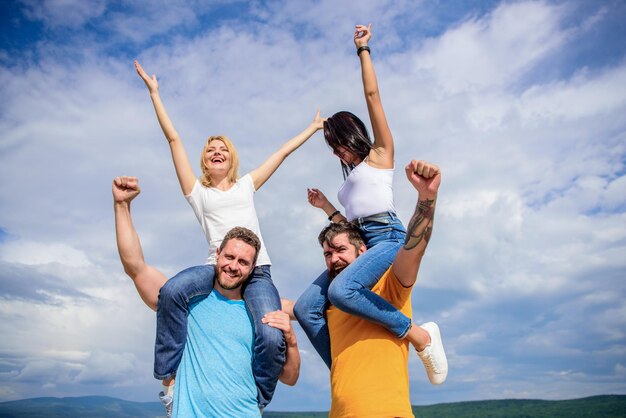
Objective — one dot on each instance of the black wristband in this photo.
(332, 215)
(363, 48)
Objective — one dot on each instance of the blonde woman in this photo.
(220, 200)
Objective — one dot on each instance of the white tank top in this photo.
(367, 191)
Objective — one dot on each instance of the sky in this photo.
(521, 103)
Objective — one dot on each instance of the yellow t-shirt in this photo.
(369, 374)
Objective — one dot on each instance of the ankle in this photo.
(168, 387)
(418, 337)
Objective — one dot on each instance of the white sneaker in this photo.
(168, 402)
(433, 357)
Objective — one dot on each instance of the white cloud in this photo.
(579, 98)
(491, 52)
(63, 13)
(35, 253)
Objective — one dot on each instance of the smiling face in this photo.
(217, 156)
(234, 264)
(339, 253)
(218, 161)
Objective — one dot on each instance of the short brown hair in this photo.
(244, 235)
(329, 233)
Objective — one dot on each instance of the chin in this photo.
(230, 285)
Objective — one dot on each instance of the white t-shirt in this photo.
(219, 211)
(367, 191)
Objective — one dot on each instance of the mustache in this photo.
(337, 268)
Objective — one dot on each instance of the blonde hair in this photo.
(233, 171)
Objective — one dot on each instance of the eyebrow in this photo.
(336, 248)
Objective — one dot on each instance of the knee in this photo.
(340, 294)
(171, 288)
(271, 339)
(174, 290)
(304, 312)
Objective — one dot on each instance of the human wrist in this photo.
(291, 340)
(427, 196)
(362, 48)
(123, 206)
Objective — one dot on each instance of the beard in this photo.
(337, 268)
(227, 282)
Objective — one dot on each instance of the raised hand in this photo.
(316, 198)
(318, 122)
(424, 176)
(125, 189)
(362, 35)
(151, 82)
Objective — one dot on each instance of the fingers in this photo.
(277, 319)
(150, 81)
(362, 30)
(422, 168)
(140, 70)
(126, 182)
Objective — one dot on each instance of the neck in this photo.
(230, 294)
(220, 181)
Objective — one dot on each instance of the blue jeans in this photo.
(260, 296)
(351, 291)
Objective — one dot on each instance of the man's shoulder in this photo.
(390, 288)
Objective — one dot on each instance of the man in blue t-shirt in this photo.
(214, 378)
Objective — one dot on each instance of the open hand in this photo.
(318, 121)
(151, 82)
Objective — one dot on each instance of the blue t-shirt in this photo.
(214, 378)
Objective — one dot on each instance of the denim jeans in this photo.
(260, 296)
(351, 291)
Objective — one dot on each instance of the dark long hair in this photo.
(346, 130)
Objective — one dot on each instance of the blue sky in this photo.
(522, 105)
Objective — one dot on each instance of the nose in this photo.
(231, 265)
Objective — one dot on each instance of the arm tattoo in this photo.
(421, 224)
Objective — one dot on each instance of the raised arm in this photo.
(382, 153)
(262, 173)
(291, 370)
(426, 178)
(147, 279)
(185, 174)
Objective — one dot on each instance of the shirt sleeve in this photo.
(196, 201)
(247, 183)
(392, 290)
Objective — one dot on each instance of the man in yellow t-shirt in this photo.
(369, 365)
(369, 375)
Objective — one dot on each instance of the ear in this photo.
(362, 249)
